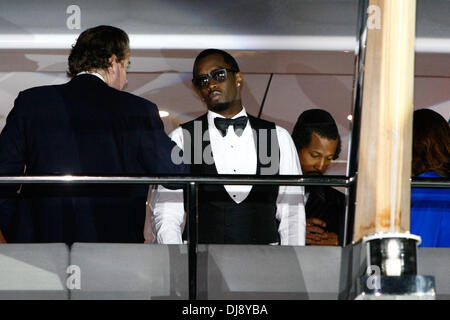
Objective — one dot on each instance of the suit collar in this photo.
(98, 75)
(88, 77)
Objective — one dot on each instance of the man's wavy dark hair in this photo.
(318, 121)
(95, 46)
(228, 58)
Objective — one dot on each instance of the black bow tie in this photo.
(238, 124)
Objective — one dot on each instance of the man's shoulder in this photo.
(120, 96)
(135, 98)
(129, 103)
(283, 132)
(112, 95)
(262, 123)
(40, 90)
(191, 122)
(29, 99)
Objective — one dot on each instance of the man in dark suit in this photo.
(87, 126)
(317, 140)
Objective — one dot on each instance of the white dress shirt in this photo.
(234, 155)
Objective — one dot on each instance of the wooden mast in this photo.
(384, 160)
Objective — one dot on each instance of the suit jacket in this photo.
(327, 204)
(83, 127)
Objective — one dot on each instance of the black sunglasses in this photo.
(218, 75)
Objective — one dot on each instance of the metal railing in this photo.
(191, 182)
(232, 179)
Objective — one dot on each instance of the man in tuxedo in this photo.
(317, 140)
(227, 140)
(87, 126)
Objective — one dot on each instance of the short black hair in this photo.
(318, 121)
(228, 58)
(95, 46)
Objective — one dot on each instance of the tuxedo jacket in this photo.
(327, 204)
(83, 127)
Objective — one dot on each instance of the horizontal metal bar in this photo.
(337, 181)
(168, 179)
(420, 182)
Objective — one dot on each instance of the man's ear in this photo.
(239, 79)
(110, 73)
(112, 60)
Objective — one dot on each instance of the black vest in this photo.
(220, 219)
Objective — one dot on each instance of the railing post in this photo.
(358, 77)
(192, 238)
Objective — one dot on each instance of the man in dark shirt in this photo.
(317, 140)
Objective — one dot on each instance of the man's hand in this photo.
(316, 234)
(2, 238)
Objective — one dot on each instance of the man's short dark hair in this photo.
(228, 58)
(318, 121)
(95, 46)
